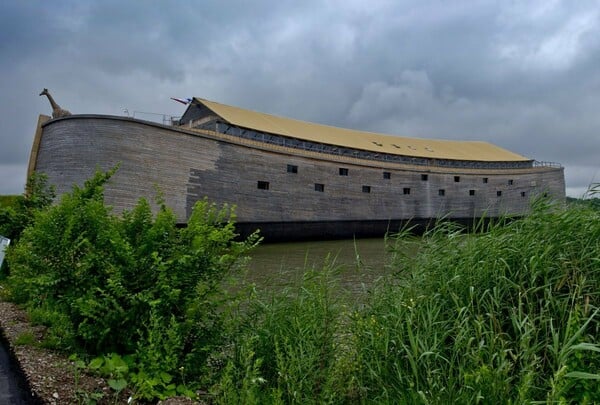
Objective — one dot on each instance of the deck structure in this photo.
(291, 179)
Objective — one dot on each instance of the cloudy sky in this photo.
(524, 75)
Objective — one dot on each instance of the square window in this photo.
(343, 171)
(387, 175)
(262, 185)
(366, 189)
(441, 192)
(456, 179)
(471, 192)
(424, 177)
(510, 182)
(485, 179)
(406, 190)
(522, 193)
(292, 169)
(319, 187)
(498, 193)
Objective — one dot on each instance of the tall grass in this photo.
(288, 344)
(490, 318)
(509, 315)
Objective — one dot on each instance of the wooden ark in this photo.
(290, 179)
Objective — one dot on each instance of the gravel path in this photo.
(50, 376)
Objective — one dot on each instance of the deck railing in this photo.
(159, 118)
(537, 163)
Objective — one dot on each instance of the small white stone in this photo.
(55, 395)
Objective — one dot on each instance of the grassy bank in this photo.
(506, 315)
(7, 200)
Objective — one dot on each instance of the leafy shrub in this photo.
(17, 212)
(135, 284)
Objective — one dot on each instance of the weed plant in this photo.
(507, 314)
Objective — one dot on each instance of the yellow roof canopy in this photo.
(369, 141)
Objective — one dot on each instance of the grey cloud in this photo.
(521, 75)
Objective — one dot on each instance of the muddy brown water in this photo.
(358, 263)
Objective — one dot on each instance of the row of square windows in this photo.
(388, 175)
(264, 185)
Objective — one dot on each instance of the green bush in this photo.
(17, 212)
(135, 284)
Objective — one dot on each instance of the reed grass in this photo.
(506, 315)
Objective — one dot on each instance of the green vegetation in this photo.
(8, 200)
(590, 199)
(587, 202)
(508, 314)
(17, 212)
(25, 339)
(134, 285)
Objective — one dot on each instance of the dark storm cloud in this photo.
(522, 75)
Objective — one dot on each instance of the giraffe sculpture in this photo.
(57, 112)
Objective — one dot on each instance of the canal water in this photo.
(357, 263)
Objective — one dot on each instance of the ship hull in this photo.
(287, 194)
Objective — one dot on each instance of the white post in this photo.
(4, 242)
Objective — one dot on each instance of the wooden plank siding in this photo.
(187, 165)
